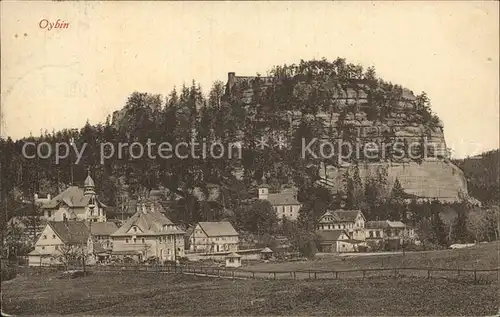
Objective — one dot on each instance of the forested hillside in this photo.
(306, 90)
(482, 173)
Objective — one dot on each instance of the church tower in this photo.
(89, 186)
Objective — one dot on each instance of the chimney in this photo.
(48, 196)
(230, 80)
(36, 196)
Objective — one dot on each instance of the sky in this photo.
(60, 78)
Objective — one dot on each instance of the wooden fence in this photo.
(475, 275)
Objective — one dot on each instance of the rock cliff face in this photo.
(352, 112)
(429, 180)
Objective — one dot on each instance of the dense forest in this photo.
(188, 115)
(483, 176)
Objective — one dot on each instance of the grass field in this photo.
(483, 256)
(167, 294)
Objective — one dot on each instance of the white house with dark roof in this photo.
(75, 203)
(213, 237)
(336, 241)
(353, 221)
(63, 238)
(284, 203)
(148, 233)
(392, 232)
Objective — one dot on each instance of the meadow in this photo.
(172, 294)
(151, 293)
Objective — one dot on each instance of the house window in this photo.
(43, 248)
(44, 236)
(53, 236)
(126, 240)
(377, 234)
(231, 260)
(142, 240)
(135, 229)
(56, 247)
(49, 213)
(135, 240)
(371, 234)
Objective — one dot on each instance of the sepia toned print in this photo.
(250, 158)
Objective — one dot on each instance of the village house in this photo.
(284, 203)
(61, 242)
(352, 221)
(75, 203)
(148, 234)
(213, 237)
(101, 232)
(390, 233)
(334, 241)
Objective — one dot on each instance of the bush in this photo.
(8, 273)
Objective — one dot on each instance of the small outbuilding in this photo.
(266, 253)
(233, 260)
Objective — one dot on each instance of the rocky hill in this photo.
(364, 111)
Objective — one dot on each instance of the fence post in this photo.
(475, 275)
(458, 273)
(233, 274)
(294, 277)
(428, 273)
(274, 275)
(314, 275)
(253, 274)
(336, 275)
(363, 273)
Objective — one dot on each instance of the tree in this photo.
(493, 220)
(425, 232)
(258, 217)
(68, 254)
(459, 227)
(477, 224)
(14, 242)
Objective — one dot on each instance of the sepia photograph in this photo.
(250, 158)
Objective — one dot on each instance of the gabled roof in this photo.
(150, 222)
(266, 250)
(285, 198)
(331, 235)
(71, 232)
(73, 196)
(384, 224)
(103, 228)
(98, 248)
(220, 228)
(342, 215)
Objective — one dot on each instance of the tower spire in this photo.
(89, 185)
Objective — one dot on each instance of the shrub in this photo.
(8, 273)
